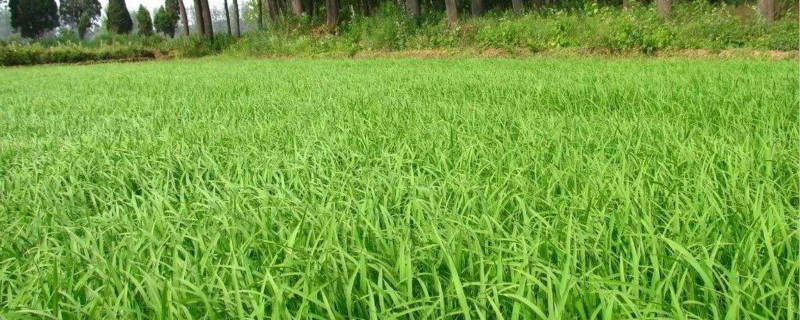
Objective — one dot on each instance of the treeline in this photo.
(33, 18)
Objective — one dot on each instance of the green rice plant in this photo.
(400, 189)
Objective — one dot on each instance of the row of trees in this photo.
(34, 17)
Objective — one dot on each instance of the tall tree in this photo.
(236, 18)
(451, 12)
(33, 17)
(208, 27)
(84, 23)
(164, 22)
(173, 10)
(72, 11)
(412, 8)
(297, 7)
(260, 14)
(517, 5)
(272, 10)
(227, 17)
(198, 16)
(145, 21)
(767, 9)
(332, 14)
(118, 17)
(476, 7)
(664, 8)
(184, 18)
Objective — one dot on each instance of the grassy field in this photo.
(400, 189)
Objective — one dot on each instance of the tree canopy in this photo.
(164, 22)
(72, 10)
(33, 17)
(119, 19)
(144, 21)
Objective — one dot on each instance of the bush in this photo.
(12, 55)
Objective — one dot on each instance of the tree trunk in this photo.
(476, 7)
(198, 16)
(412, 8)
(664, 8)
(236, 18)
(767, 9)
(227, 17)
(272, 10)
(207, 24)
(308, 7)
(297, 7)
(260, 14)
(517, 5)
(367, 8)
(183, 18)
(451, 12)
(332, 14)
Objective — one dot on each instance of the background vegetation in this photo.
(598, 27)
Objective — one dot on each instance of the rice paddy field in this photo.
(400, 189)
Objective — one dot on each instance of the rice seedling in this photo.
(400, 189)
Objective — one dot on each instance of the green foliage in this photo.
(400, 189)
(67, 36)
(198, 46)
(72, 13)
(12, 55)
(144, 22)
(694, 25)
(33, 17)
(118, 19)
(174, 9)
(164, 22)
(84, 23)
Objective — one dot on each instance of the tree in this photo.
(477, 7)
(332, 10)
(144, 20)
(451, 12)
(297, 7)
(184, 18)
(767, 9)
(84, 23)
(72, 11)
(517, 5)
(164, 22)
(175, 11)
(664, 8)
(412, 8)
(118, 17)
(33, 17)
(236, 18)
(272, 9)
(208, 28)
(198, 16)
(5, 21)
(260, 14)
(227, 17)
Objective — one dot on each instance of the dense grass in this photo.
(383, 189)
